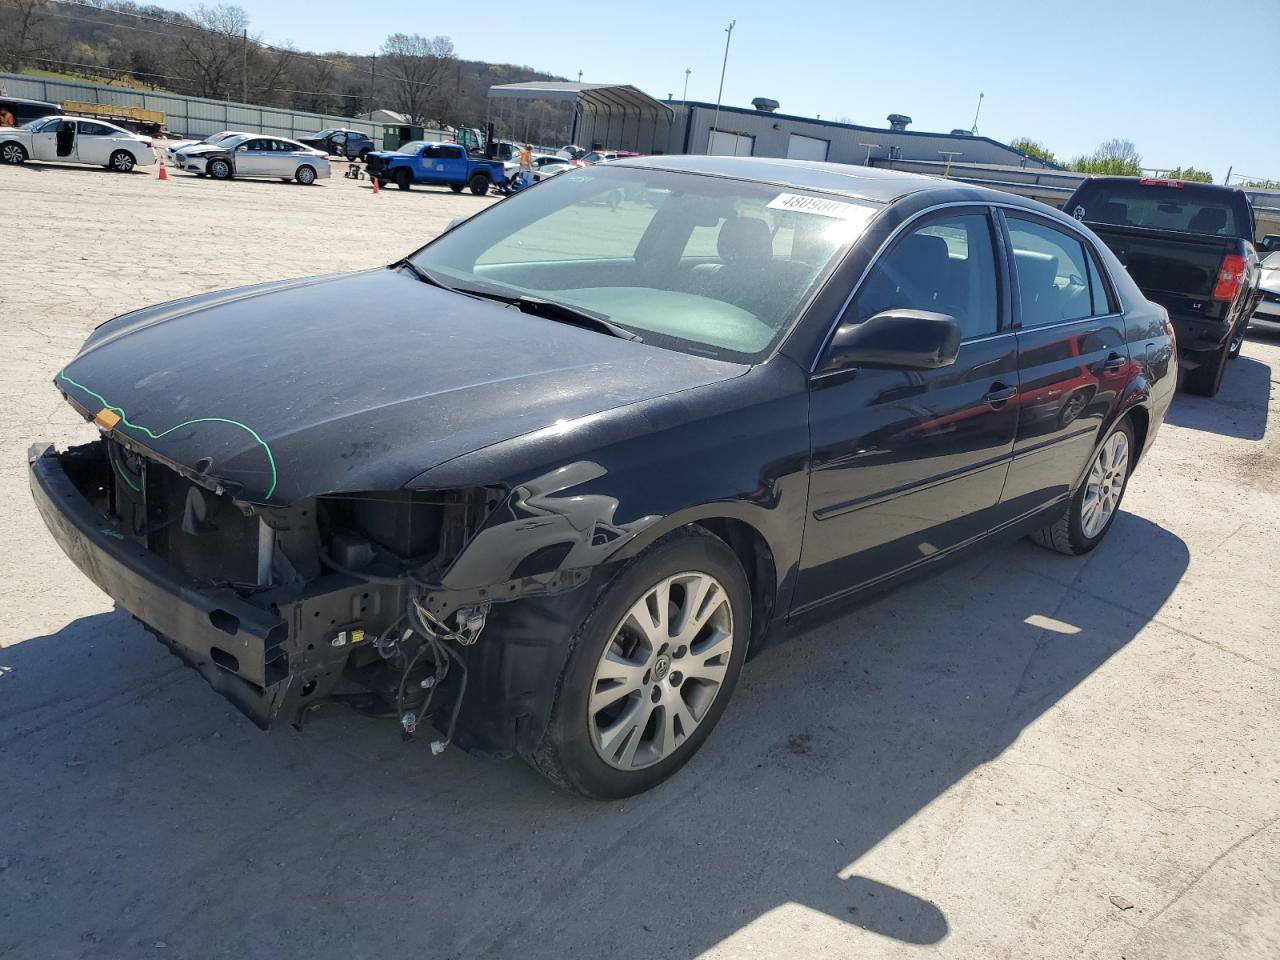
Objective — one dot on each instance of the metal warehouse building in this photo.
(621, 117)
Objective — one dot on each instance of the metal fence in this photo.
(185, 116)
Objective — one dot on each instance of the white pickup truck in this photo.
(76, 140)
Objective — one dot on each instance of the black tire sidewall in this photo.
(479, 185)
(23, 156)
(298, 175)
(404, 179)
(569, 729)
(112, 161)
(1079, 542)
(213, 164)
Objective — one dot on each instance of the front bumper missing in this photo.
(239, 648)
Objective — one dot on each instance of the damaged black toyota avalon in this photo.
(583, 454)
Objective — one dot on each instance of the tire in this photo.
(404, 179)
(1206, 379)
(364, 155)
(122, 161)
(219, 169)
(479, 184)
(1083, 525)
(456, 187)
(13, 153)
(665, 682)
(305, 175)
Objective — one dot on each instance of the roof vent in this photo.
(764, 104)
(958, 132)
(898, 121)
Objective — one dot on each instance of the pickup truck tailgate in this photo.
(1162, 261)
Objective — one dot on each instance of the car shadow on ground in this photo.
(141, 809)
(71, 166)
(1240, 408)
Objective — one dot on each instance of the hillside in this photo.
(214, 53)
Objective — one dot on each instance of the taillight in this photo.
(1230, 276)
(1160, 182)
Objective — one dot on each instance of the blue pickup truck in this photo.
(435, 164)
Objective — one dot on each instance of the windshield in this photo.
(705, 265)
(33, 125)
(412, 147)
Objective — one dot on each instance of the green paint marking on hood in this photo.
(124, 419)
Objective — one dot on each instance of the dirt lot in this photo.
(1030, 756)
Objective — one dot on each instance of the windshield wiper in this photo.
(421, 274)
(563, 313)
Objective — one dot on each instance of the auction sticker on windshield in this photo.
(819, 206)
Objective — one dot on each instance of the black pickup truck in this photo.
(1189, 247)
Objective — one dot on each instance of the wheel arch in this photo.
(756, 556)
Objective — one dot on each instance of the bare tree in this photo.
(22, 31)
(417, 67)
(213, 48)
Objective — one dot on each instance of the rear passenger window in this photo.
(1097, 287)
(1053, 274)
(947, 265)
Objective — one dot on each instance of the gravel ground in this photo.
(1029, 755)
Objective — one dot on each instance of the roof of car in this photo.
(866, 183)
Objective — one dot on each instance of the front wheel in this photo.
(13, 153)
(404, 179)
(1093, 509)
(220, 169)
(650, 671)
(122, 161)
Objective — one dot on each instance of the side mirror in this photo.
(897, 339)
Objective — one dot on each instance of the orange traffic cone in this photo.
(162, 175)
(375, 186)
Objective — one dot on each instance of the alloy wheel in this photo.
(12, 153)
(122, 162)
(661, 671)
(1105, 484)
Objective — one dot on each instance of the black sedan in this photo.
(576, 463)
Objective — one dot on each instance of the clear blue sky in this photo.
(1183, 80)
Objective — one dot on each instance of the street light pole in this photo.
(974, 129)
(723, 66)
(685, 97)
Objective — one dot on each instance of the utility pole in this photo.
(720, 95)
(579, 76)
(685, 96)
(974, 129)
(244, 68)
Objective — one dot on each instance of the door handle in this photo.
(1114, 363)
(999, 393)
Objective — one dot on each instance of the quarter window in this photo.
(947, 265)
(1098, 289)
(1053, 275)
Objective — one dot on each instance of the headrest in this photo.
(744, 238)
(1208, 220)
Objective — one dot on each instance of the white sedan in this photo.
(1266, 315)
(250, 155)
(76, 140)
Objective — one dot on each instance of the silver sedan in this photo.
(257, 156)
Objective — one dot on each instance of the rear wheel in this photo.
(1237, 342)
(1093, 509)
(1206, 379)
(404, 179)
(122, 161)
(651, 669)
(305, 175)
(13, 153)
(479, 184)
(219, 169)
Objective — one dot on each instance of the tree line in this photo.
(1117, 157)
(213, 52)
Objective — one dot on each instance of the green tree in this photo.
(1190, 173)
(1034, 148)
(1116, 157)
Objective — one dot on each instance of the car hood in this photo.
(352, 382)
(192, 148)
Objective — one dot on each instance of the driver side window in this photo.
(944, 265)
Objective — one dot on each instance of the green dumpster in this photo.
(395, 135)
